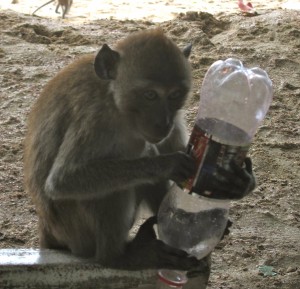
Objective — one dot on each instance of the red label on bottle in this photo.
(209, 156)
(197, 147)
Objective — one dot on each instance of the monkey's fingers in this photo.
(227, 231)
(244, 173)
(230, 190)
(234, 179)
(203, 269)
(228, 185)
(236, 173)
(184, 167)
(248, 165)
(173, 258)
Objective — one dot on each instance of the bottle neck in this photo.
(222, 201)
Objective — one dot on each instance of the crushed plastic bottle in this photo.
(234, 101)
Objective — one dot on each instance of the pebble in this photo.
(246, 255)
(291, 269)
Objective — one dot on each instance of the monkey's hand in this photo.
(233, 184)
(180, 166)
(146, 251)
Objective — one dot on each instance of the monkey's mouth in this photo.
(152, 139)
(155, 138)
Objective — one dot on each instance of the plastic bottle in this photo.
(234, 101)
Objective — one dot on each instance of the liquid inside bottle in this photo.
(192, 223)
(224, 132)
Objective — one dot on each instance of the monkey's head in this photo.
(150, 78)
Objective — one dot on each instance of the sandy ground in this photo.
(153, 10)
(266, 228)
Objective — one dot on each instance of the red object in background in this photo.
(248, 8)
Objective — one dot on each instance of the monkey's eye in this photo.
(175, 94)
(150, 94)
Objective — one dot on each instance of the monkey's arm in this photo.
(71, 178)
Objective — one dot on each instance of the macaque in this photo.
(105, 137)
(65, 6)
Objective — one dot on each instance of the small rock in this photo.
(246, 255)
(291, 269)
(260, 247)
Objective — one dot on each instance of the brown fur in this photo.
(104, 136)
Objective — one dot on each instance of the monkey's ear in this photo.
(187, 50)
(106, 63)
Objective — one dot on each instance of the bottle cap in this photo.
(172, 277)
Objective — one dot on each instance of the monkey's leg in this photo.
(146, 252)
(57, 7)
(64, 11)
(48, 241)
(68, 6)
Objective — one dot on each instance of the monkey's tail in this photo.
(43, 6)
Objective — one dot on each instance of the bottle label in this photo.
(210, 155)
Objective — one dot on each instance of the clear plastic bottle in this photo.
(234, 101)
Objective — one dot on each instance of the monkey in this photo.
(107, 136)
(65, 6)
